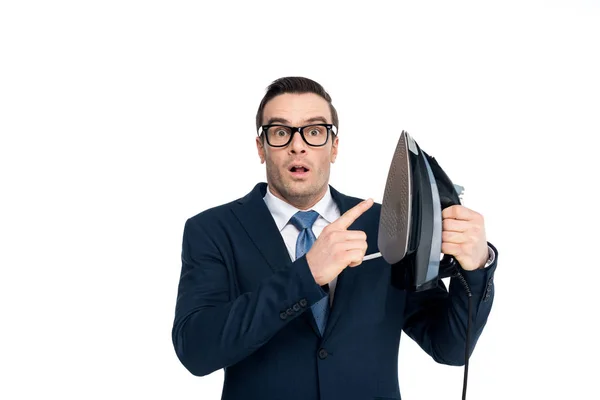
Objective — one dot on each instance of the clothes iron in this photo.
(410, 226)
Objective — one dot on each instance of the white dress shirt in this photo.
(282, 212)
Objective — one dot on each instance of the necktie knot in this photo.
(304, 219)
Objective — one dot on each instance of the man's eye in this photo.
(281, 132)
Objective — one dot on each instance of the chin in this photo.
(296, 189)
(302, 189)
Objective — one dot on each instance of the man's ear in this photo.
(334, 149)
(261, 150)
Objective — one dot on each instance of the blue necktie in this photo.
(303, 220)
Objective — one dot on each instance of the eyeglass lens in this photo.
(315, 135)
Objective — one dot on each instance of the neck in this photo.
(300, 202)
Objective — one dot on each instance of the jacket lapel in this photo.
(260, 226)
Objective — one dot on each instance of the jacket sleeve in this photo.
(436, 319)
(212, 330)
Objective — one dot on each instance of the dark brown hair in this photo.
(294, 84)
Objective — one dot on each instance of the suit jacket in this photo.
(244, 306)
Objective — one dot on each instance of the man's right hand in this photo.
(336, 247)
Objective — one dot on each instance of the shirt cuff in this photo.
(491, 257)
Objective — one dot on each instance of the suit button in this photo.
(289, 311)
(283, 315)
(296, 307)
(303, 303)
(323, 354)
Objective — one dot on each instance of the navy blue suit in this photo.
(244, 306)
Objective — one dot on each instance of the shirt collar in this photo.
(282, 211)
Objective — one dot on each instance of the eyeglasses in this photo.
(315, 135)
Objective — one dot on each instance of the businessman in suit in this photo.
(273, 285)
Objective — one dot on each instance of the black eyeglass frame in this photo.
(330, 128)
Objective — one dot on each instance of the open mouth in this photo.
(298, 170)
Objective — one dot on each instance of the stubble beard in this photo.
(300, 193)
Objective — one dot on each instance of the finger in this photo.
(349, 235)
(352, 214)
(454, 237)
(451, 249)
(354, 257)
(459, 212)
(455, 225)
(350, 245)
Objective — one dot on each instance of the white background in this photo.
(121, 119)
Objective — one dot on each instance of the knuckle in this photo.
(325, 236)
(336, 247)
(359, 253)
(336, 236)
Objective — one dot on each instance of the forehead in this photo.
(297, 108)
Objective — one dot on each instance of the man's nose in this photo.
(298, 145)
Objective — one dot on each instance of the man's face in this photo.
(299, 187)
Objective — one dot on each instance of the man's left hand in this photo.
(463, 236)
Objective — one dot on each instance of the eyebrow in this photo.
(285, 121)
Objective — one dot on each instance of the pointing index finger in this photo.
(352, 214)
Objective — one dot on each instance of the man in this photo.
(274, 289)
